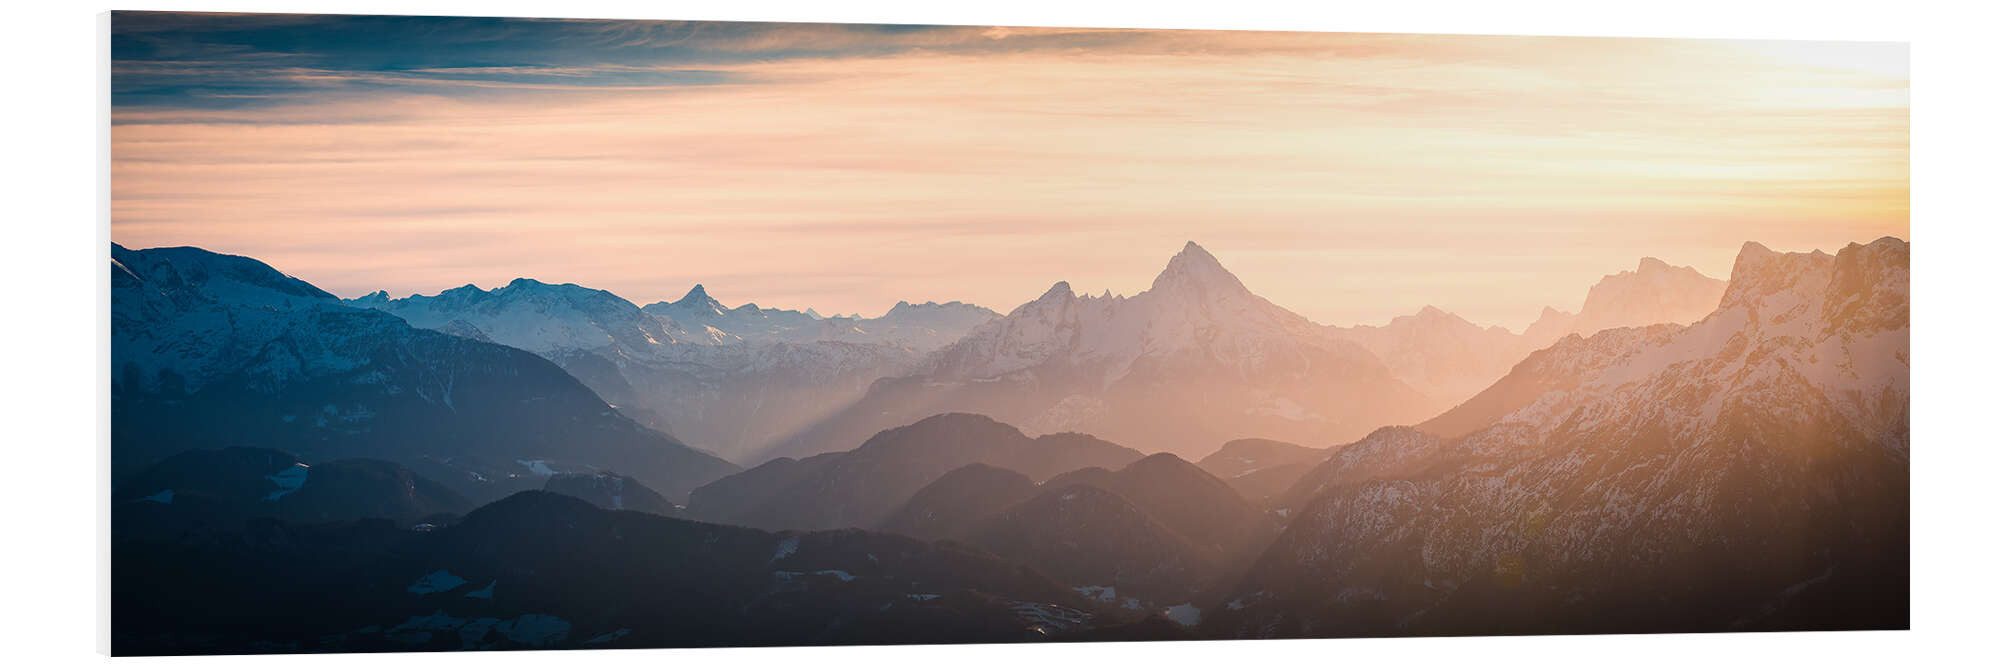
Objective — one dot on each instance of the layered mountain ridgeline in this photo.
(1559, 367)
(1149, 535)
(541, 570)
(1260, 469)
(1749, 471)
(733, 380)
(1450, 359)
(611, 491)
(917, 326)
(1440, 354)
(1185, 499)
(861, 487)
(755, 383)
(1654, 293)
(219, 489)
(958, 499)
(1194, 360)
(213, 350)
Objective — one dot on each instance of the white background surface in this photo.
(51, 393)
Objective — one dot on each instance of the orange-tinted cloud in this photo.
(1350, 178)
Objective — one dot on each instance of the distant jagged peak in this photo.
(1434, 316)
(521, 289)
(1857, 272)
(1760, 272)
(698, 296)
(1551, 325)
(1055, 299)
(904, 306)
(1429, 319)
(375, 298)
(1658, 269)
(1195, 271)
(1654, 293)
(531, 285)
(950, 314)
(1057, 292)
(464, 290)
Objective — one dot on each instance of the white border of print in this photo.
(57, 176)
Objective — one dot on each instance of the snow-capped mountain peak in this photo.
(184, 316)
(1057, 293)
(1791, 323)
(1195, 271)
(1777, 426)
(698, 300)
(185, 270)
(1223, 361)
(535, 316)
(1654, 293)
(1196, 312)
(1760, 272)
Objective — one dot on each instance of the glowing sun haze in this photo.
(1348, 177)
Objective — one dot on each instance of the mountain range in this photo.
(861, 487)
(504, 469)
(1449, 359)
(732, 379)
(213, 350)
(754, 383)
(1194, 360)
(1747, 471)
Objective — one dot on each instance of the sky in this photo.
(1348, 177)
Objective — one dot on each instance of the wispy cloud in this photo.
(1353, 177)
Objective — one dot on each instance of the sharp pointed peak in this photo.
(1060, 290)
(1194, 267)
(1751, 258)
(1194, 252)
(699, 294)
